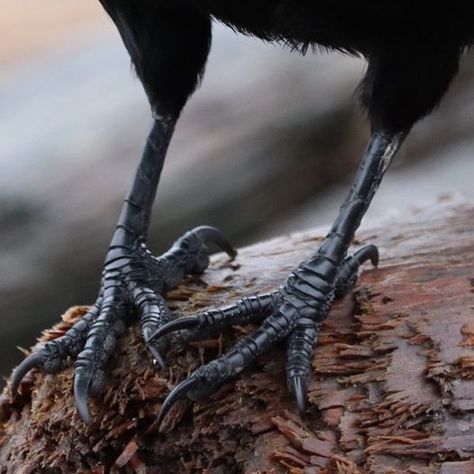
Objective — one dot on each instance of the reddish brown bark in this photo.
(392, 388)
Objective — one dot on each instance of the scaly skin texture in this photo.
(296, 311)
(132, 283)
(134, 286)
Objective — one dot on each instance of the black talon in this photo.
(179, 324)
(156, 355)
(211, 234)
(369, 252)
(299, 355)
(348, 274)
(81, 392)
(297, 388)
(158, 358)
(33, 360)
(178, 392)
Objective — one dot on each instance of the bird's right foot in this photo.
(294, 312)
(132, 282)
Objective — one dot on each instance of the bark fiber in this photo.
(392, 388)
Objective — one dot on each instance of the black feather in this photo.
(412, 48)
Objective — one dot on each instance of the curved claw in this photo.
(81, 392)
(188, 322)
(211, 234)
(369, 252)
(32, 361)
(297, 388)
(158, 358)
(178, 392)
(156, 355)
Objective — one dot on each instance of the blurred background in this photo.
(267, 145)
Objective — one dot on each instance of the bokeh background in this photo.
(266, 146)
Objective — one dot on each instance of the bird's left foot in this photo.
(133, 281)
(295, 312)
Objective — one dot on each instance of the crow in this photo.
(412, 51)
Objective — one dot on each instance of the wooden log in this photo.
(392, 387)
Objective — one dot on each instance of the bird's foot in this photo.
(132, 283)
(294, 312)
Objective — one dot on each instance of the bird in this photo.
(412, 51)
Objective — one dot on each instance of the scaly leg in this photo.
(297, 310)
(168, 44)
(132, 279)
(395, 94)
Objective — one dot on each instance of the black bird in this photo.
(412, 51)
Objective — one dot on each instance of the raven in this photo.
(412, 51)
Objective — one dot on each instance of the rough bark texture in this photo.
(392, 388)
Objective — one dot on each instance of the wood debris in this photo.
(392, 388)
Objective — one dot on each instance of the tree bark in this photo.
(392, 387)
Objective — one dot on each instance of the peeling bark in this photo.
(392, 388)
